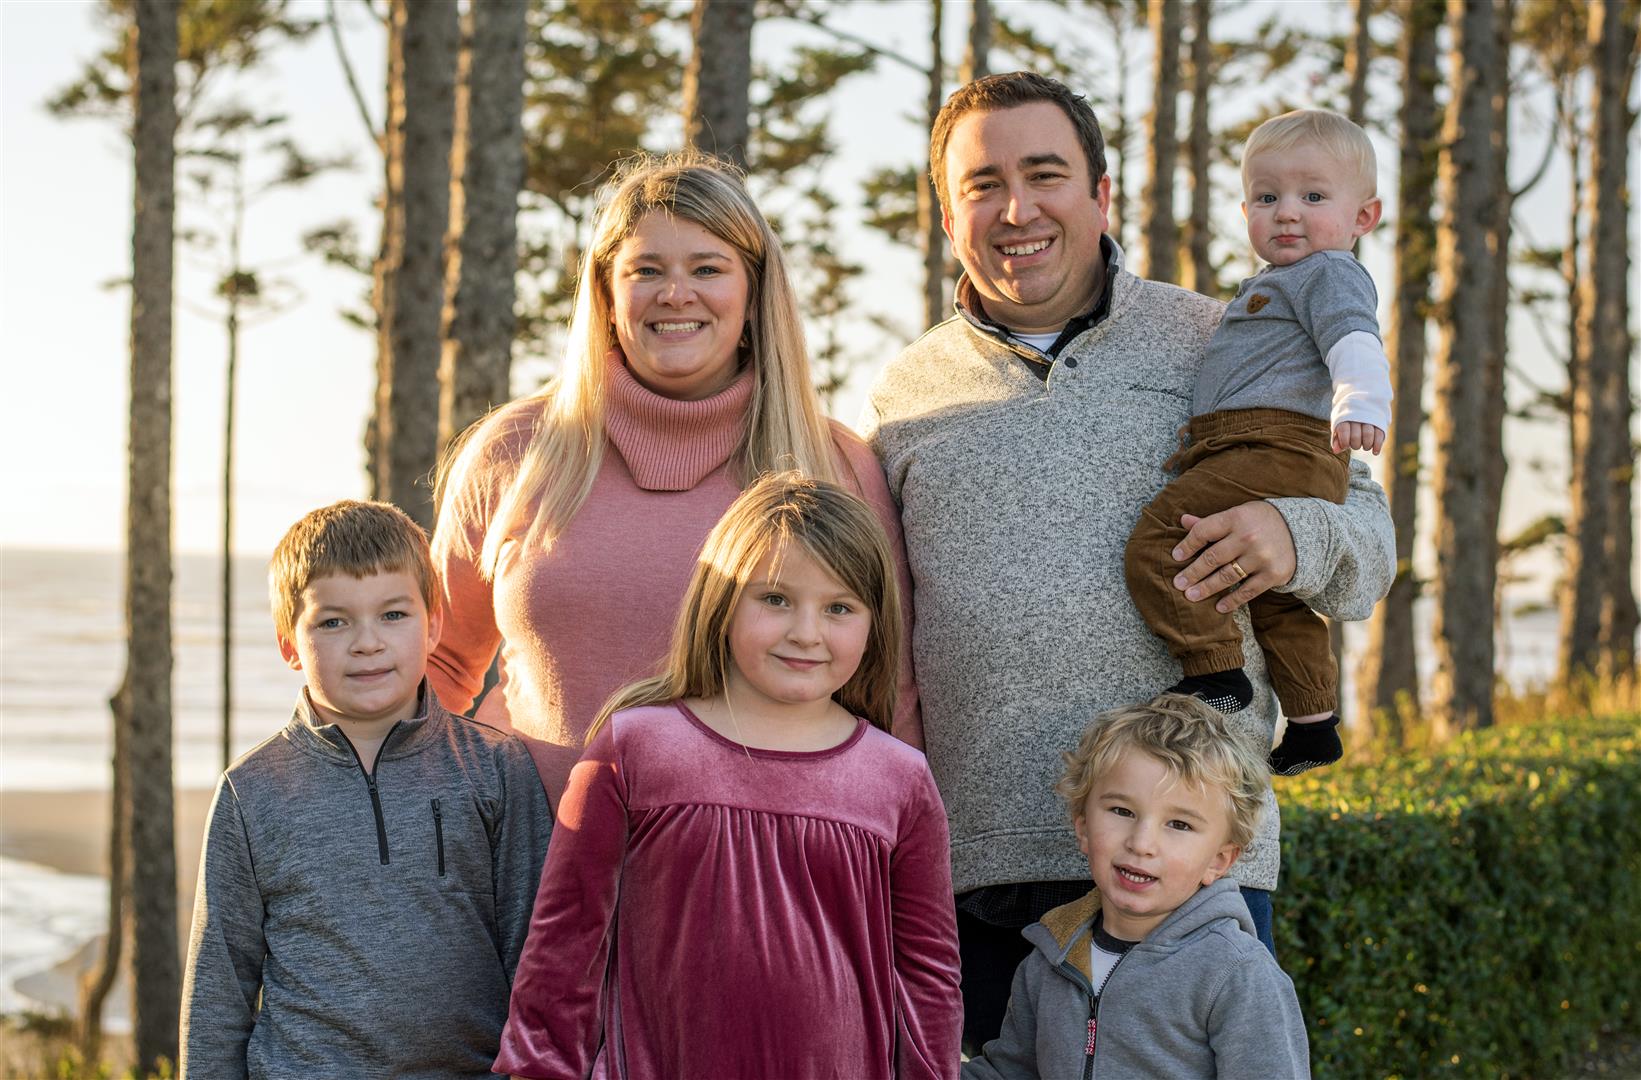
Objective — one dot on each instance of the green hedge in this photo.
(1471, 913)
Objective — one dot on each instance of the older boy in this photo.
(1292, 381)
(1155, 972)
(368, 873)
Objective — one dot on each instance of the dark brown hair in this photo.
(1009, 91)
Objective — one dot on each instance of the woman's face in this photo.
(678, 300)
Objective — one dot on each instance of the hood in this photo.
(1063, 935)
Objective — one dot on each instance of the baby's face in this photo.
(1303, 200)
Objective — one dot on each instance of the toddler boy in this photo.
(1292, 381)
(368, 872)
(1156, 972)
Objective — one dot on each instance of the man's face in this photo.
(1023, 215)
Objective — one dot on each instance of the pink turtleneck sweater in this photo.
(595, 611)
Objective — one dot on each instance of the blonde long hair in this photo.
(836, 529)
(785, 427)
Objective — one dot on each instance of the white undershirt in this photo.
(1361, 380)
(1041, 342)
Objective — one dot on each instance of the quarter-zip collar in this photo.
(1118, 291)
(307, 729)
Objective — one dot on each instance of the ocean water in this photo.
(62, 651)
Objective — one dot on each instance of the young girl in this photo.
(749, 879)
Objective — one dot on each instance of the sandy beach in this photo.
(67, 831)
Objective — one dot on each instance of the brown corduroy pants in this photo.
(1232, 458)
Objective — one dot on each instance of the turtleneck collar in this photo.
(672, 445)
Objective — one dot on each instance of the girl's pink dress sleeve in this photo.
(867, 472)
(554, 1022)
(928, 997)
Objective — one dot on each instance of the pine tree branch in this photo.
(816, 20)
(377, 137)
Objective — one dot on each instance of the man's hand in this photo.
(1247, 549)
(1352, 435)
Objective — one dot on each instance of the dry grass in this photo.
(34, 1046)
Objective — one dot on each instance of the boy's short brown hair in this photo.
(1192, 741)
(348, 537)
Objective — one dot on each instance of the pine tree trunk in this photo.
(389, 252)
(1462, 694)
(1119, 135)
(976, 62)
(928, 204)
(1612, 39)
(428, 33)
(1356, 63)
(1199, 270)
(96, 984)
(1389, 674)
(1160, 229)
(487, 171)
(1356, 60)
(154, 960)
(1498, 88)
(227, 642)
(718, 77)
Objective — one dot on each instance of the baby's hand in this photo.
(1353, 435)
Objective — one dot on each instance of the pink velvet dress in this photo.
(713, 912)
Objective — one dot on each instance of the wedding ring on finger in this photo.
(1236, 568)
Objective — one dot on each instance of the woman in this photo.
(571, 520)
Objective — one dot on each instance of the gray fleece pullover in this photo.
(1017, 497)
(1200, 997)
(378, 918)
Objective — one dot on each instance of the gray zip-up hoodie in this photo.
(1199, 997)
(378, 918)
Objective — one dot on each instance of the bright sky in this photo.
(306, 377)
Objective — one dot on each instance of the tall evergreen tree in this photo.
(145, 693)
(481, 255)
(1388, 676)
(1462, 694)
(205, 42)
(1199, 270)
(1123, 21)
(718, 78)
(1495, 465)
(1599, 631)
(421, 122)
(977, 54)
(928, 204)
(1160, 228)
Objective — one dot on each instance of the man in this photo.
(1021, 438)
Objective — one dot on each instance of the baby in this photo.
(1292, 381)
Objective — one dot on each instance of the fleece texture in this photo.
(1017, 497)
(363, 926)
(1200, 998)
